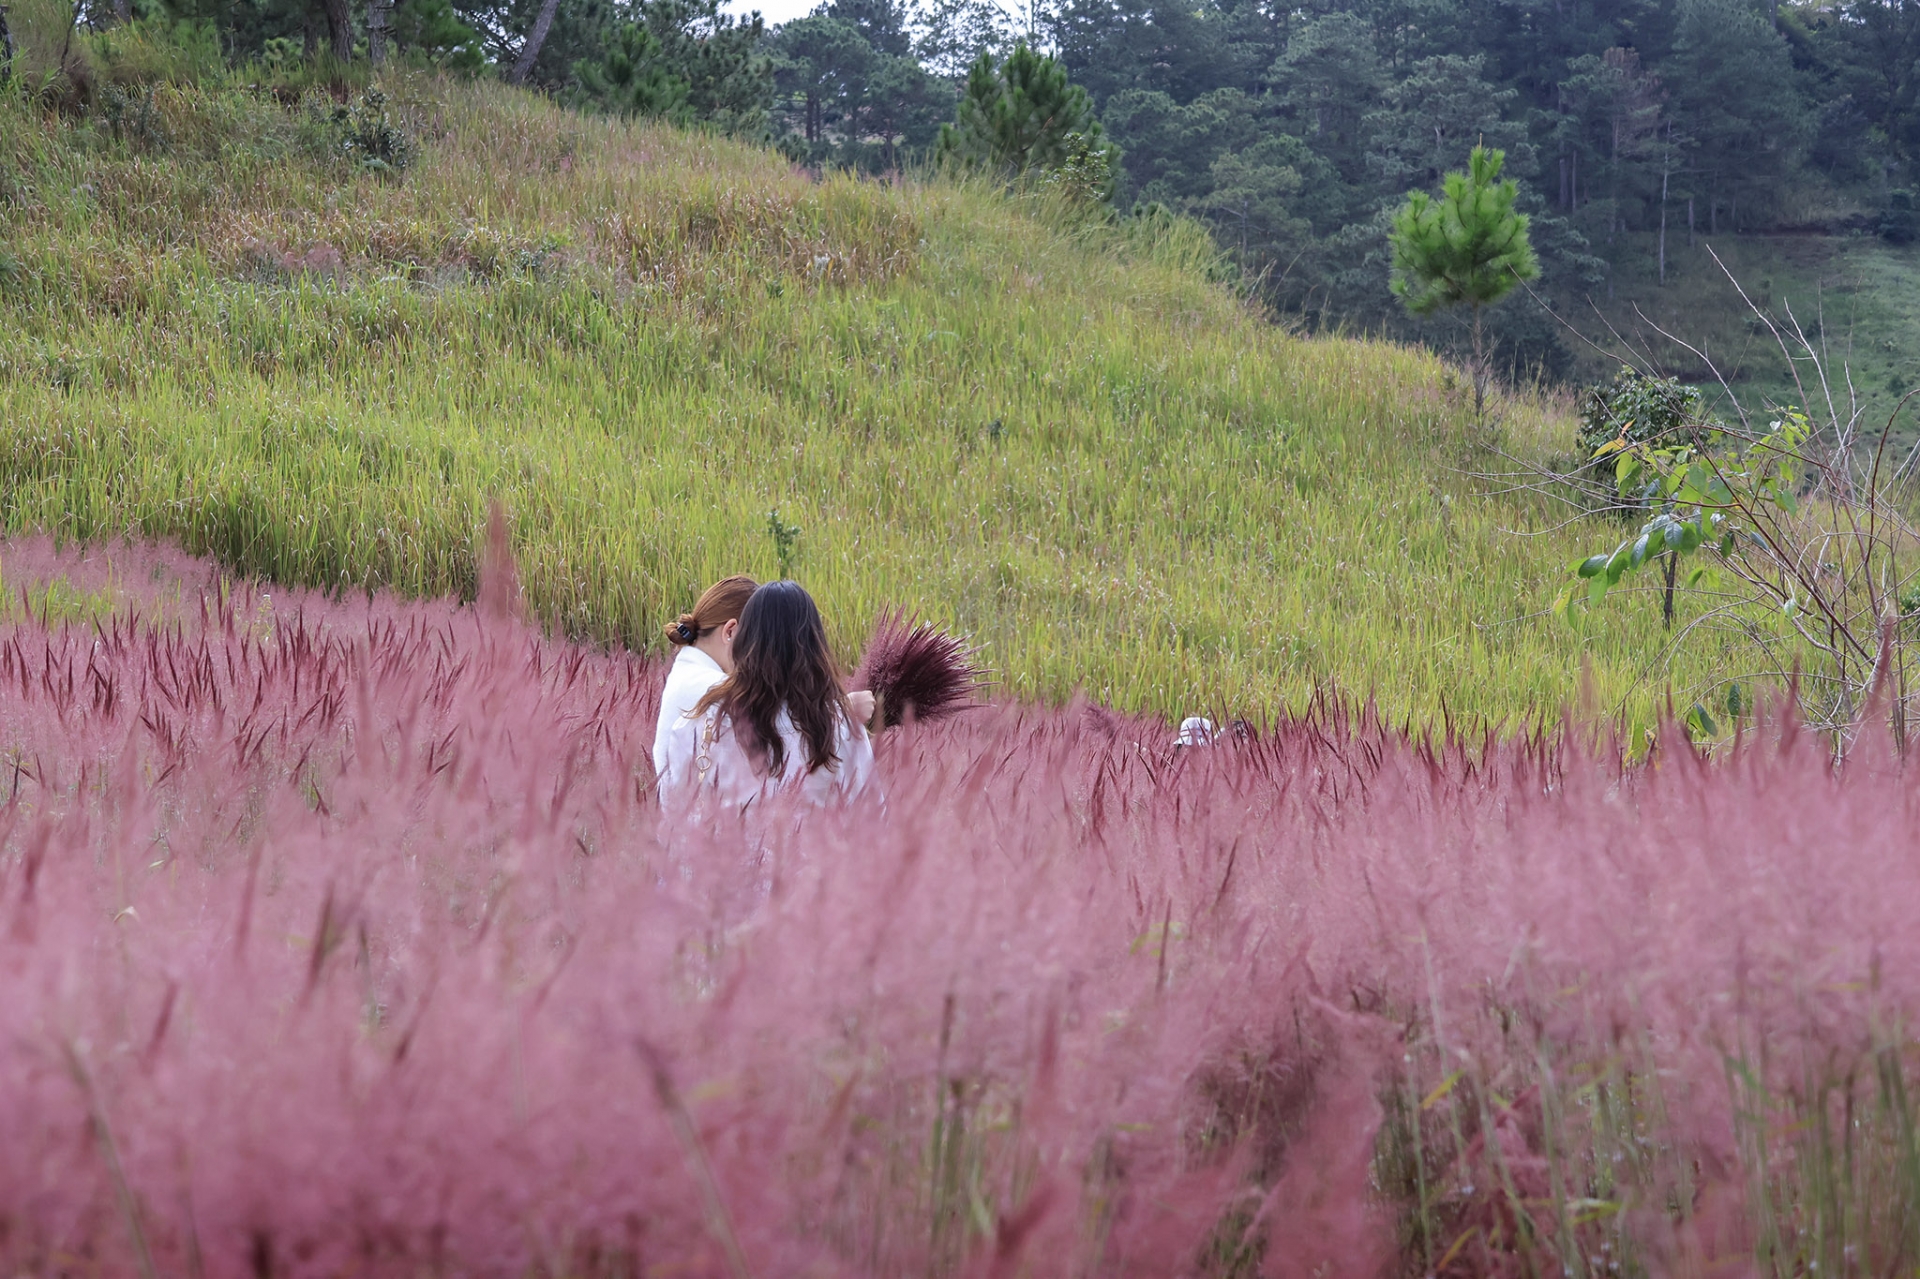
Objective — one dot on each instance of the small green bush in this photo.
(131, 116)
(365, 133)
(1634, 407)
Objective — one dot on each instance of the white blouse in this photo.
(688, 680)
(705, 758)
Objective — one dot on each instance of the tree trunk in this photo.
(339, 18)
(1899, 700)
(379, 26)
(1666, 604)
(1479, 370)
(1665, 172)
(530, 51)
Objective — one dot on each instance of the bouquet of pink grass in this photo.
(916, 671)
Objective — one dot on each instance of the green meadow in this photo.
(1061, 435)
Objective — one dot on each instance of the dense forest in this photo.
(1632, 125)
(1635, 127)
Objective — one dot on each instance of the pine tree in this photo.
(630, 79)
(1023, 115)
(1469, 247)
(685, 60)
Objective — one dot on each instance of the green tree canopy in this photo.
(685, 60)
(1725, 79)
(1467, 248)
(1022, 115)
(1330, 77)
(1441, 106)
(847, 89)
(631, 77)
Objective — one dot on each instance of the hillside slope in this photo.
(1856, 297)
(1059, 437)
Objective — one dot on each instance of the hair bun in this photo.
(685, 631)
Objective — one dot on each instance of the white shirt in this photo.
(691, 675)
(705, 758)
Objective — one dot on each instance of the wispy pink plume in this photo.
(345, 936)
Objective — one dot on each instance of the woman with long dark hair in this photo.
(780, 722)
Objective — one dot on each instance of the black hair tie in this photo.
(688, 634)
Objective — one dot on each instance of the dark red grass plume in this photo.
(918, 671)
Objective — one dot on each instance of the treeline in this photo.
(1629, 123)
(1293, 130)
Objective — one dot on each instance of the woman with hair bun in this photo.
(780, 723)
(704, 639)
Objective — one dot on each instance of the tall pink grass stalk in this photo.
(345, 937)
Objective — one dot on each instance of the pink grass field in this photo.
(345, 938)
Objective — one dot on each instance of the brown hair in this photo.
(781, 662)
(718, 605)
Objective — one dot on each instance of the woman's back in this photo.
(710, 763)
(690, 678)
(703, 655)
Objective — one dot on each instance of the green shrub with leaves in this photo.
(1635, 408)
(1708, 489)
(367, 135)
(132, 117)
(1087, 172)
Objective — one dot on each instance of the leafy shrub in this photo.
(364, 133)
(1637, 409)
(131, 116)
(1087, 172)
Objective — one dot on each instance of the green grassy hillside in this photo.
(1057, 435)
(1857, 298)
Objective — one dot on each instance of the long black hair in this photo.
(781, 659)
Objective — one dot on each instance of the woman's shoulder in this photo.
(691, 676)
